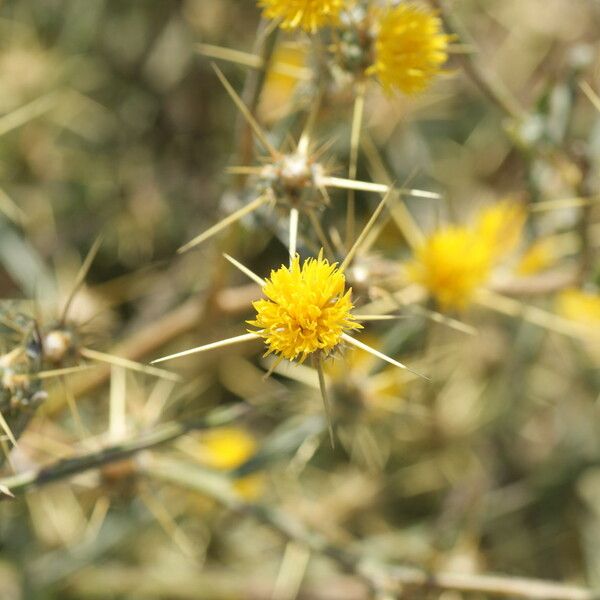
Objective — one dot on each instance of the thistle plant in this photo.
(408, 193)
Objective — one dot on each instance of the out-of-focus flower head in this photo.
(456, 260)
(307, 309)
(451, 264)
(308, 15)
(226, 448)
(409, 48)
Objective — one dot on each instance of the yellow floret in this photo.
(307, 309)
(226, 448)
(308, 15)
(451, 265)
(410, 48)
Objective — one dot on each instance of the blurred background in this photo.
(114, 124)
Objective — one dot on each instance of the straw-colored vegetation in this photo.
(300, 299)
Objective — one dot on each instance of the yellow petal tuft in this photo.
(308, 15)
(451, 265)
(410, 48)
(307, 309)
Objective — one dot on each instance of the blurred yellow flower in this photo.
(451, 264)
(580, 306)
(307, 309)
(500, 226)
(226, 448)
(410, 48)
(308, 15)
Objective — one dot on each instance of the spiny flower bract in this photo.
(307, 309)
(451, 264)
(410, 48)
(308, 15)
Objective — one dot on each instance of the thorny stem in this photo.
(318, 364)
(500, 96)
(21, 482)
(293, 241)
(159, 333)
(379, 576)
(264, 47)
(357, 123)
(492, 88)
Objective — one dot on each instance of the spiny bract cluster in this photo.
(307, 309)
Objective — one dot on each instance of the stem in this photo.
(500, 96)
(293, 232)
(265, 45)
(357, 121)
(147, 340)
(492, 88)
(379, 576)
(21, 482)
(318, 364)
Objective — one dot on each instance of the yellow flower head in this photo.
(307, 309)
(500, 226)
(451, 265)
(308, 15)
(226, 448)
(410, 48)
(580, 306)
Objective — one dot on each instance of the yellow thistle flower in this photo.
(307, 309)
(451, 265)
(500, 226)
(580, 306)
(308, 15)
(226, 448)
(410, 48)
